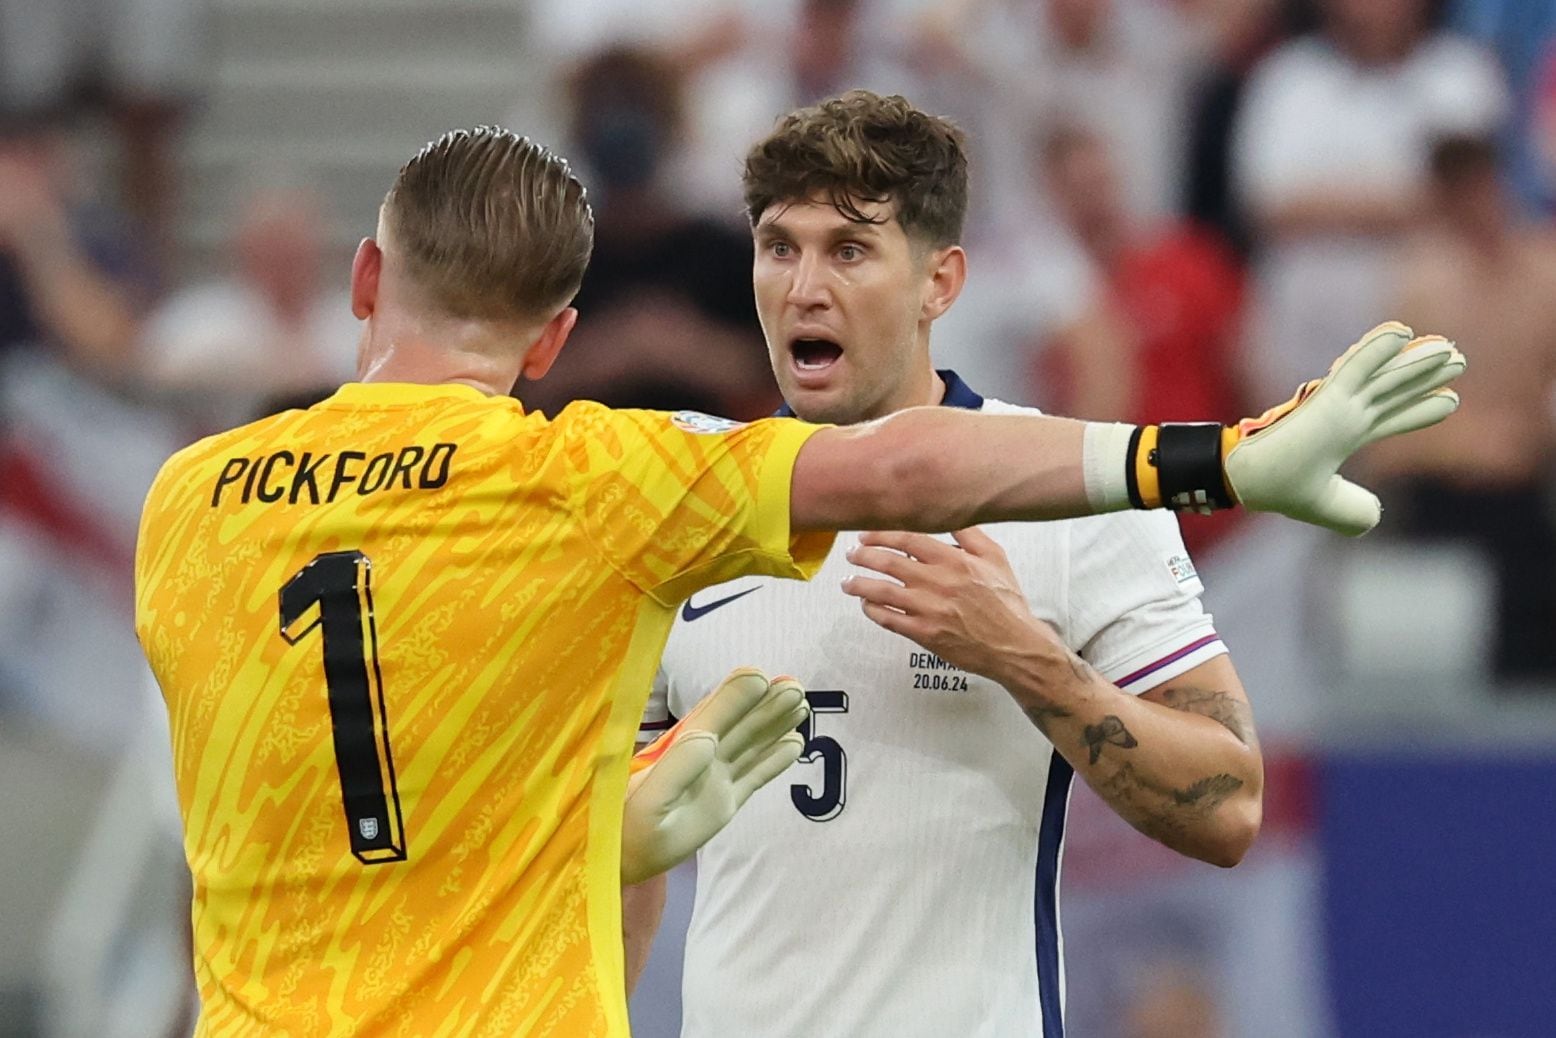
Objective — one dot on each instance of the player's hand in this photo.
(687, 784)
(961, 603)
(1288, 459)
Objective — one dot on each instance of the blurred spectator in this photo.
(75, 455)
(815, 49)
(1523, 35)
(687, 33)
(1487, 279)
(742, 64)
(1176, 289)
(71, 279)
(140, 62)
(1122, 66)
(278, 323)
(1030, 286)
(1330, 157)
(1172, 292)
(1244, 34)
(668, 294)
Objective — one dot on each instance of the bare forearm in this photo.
(83, 311)
(1188, 775)
(642, 904)
(933, 469)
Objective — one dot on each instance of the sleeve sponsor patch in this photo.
(706, 424)
(1181, 567)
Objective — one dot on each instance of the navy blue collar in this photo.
(957, 394)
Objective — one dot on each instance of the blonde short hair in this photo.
(491, 225)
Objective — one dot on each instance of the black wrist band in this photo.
(1188, 465)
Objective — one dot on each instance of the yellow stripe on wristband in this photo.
(1147, 479)
(1231, 436)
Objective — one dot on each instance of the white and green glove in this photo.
(687, 784)
(1288, 459)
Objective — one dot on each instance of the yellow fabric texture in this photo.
(405, 638)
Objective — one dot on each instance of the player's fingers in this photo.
(893, 564)
(1419, 383)
(1347, 508)
(1422, 356)
(979, 543)
(1414, 414)
(735, 697)
(781, 710)
(648, 755)
(1427, 384)
(918, 545)
(1370, 353)
(891, 619)
(761, 743)
(881, 592)
(769, 765)
(678, 771)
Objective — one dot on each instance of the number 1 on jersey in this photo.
(334, 593)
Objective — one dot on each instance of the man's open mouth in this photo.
(814, 354)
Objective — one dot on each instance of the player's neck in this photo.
(926, 389)
(433, 356)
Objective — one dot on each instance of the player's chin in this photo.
(820, 404)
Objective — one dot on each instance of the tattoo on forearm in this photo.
(1110, 732)
(1040, 711)
(1225, 709)
(1209, 793)
(1164, 814)
(1141, 805)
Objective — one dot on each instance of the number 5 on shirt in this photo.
(827, 804)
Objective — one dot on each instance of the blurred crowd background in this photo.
(1181, 209)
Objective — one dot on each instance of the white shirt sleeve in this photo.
(656, 715)
(1139, 620)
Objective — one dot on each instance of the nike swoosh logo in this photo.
(690, 612)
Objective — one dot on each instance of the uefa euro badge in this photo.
(368, 827)
(703, 424)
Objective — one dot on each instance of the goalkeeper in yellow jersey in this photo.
(405, 636)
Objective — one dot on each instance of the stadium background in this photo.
(181, 183)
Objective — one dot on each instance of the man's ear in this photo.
(366, 267)
(542, 354)
(947, 275)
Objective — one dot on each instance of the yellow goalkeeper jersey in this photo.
(405, 638)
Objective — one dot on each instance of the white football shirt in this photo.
(901, 879)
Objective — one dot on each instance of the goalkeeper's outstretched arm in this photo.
(936, 469)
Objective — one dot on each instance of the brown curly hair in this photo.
(865, 148)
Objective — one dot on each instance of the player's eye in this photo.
(848, 252)
(779, 249)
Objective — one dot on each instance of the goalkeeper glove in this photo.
(1288, 459)
(686, 785)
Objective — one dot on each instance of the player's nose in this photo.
(807, 284)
